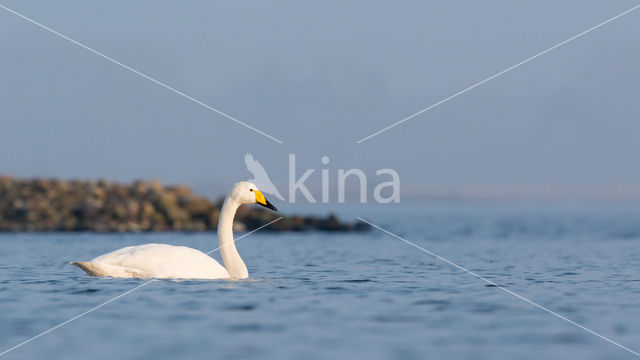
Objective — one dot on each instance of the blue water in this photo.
(319, 295)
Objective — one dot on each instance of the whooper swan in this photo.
(180, 262)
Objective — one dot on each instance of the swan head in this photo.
(245, 192)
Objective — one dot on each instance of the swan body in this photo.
(181, 262)
(155, 260)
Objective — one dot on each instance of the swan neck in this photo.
(230, 256)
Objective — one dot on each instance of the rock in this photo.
(102, 206)
(239, 227)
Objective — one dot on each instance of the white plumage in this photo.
(155, 260)
(181, 262)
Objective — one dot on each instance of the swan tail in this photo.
(88, 267)
(102, 269)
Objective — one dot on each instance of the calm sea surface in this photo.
(349, 296)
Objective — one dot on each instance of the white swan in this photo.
(180, 262)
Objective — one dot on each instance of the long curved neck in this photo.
(230, 257)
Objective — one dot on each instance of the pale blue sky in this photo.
(321, 76)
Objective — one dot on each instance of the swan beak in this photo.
(269, 205)
(264, 202)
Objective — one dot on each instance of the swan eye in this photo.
(250, 189)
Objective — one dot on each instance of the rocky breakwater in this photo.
(102, 206)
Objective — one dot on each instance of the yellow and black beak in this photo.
(262, 201)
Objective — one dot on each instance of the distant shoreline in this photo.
(55, 205)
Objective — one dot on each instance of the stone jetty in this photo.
(43, 205)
